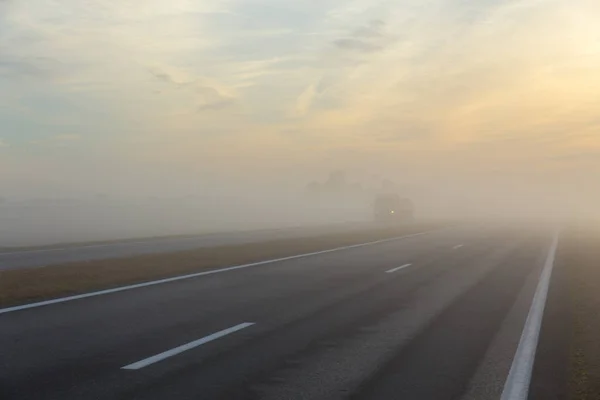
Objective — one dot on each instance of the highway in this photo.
(432, 316)
(40, 257)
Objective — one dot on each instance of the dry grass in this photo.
(581, 255)
(26, 285)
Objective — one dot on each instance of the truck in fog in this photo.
(391, 208)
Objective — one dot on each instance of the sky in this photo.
(124, 96)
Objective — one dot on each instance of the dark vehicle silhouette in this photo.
(391, 208)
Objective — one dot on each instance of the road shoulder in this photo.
(580, 261)
(29, 285)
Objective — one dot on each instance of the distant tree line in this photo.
(337, 184)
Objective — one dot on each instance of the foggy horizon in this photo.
(472, 109)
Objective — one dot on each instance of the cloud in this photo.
(210, 99)
(66, 137)
(408, 130)
(491, 81)
(374, 29)
(59, 140)
(11, 67)
(204, 96)
(358, 45)
(369, 38)
(38, 68)
(162, 76)
(175, 76)
(584, 156)
(305, 100)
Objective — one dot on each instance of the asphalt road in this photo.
(437, 316)
(17, 258)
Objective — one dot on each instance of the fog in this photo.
(45, 221)
(125, 120)
(334, 199)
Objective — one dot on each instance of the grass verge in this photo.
(581, 256)
(27, 285)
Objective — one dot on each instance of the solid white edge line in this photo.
(177, 350)
(519, 377)
(398, 268)
(189, 276)
(458, 246)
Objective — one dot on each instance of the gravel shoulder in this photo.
(580, 256)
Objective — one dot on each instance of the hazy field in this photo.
(44, 222)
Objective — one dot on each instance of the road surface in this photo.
(436, 316)
(12, 259)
